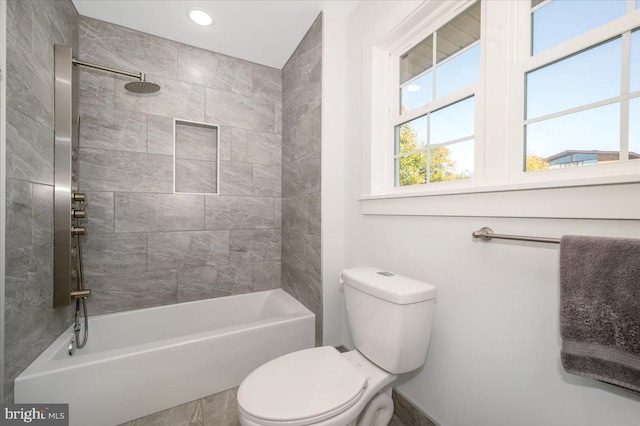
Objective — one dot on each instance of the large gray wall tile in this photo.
(112, 45)
(19, 205)
(113, 254)
(248, 246)
(314, 203)
(159, 134)
(295, 215)
(267, 180)
(224, 140)
(28, 278)
(158, 212)
(213, 281)
(175, 99)
(266, 276)
(106, 128)
(267, 83)
(214, 70)
(28, 335)
(239, 111)
(100, 212)
(178, 250)
(301, 173)
(29, 149)
(193, 176)
(20, 21)
(277, 213)
(106, 170)
(96, 87)
(303, 137)
(278, 119)
(114, 293)
(236, 178)
(42, 214)
(29, 84)
(256, 147)
(224, 212)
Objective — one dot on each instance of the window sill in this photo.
(596, 198)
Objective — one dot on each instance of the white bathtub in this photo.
(140, 362)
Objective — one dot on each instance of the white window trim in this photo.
(501, 169)
(626, 171)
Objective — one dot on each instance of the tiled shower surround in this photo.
(301, 100)
(145, 245)
(31, 323)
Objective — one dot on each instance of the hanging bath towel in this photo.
(600, 309)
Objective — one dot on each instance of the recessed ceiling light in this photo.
(413, 87)
(200, 17)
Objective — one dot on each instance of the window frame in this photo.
(499, 148)
(439, 17)
(524, 62)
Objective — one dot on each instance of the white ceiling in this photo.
(262, 31)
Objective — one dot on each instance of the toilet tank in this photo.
(389, 316)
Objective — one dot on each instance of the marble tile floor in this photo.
(215, 410)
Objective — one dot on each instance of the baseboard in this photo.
(408, 413)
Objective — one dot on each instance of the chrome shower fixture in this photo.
(141, 86)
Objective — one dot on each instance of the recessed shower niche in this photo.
(195, 157)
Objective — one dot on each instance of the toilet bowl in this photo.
(390, 320)
(318, 386)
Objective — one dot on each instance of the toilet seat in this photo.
(301, 388)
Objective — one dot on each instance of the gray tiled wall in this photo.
(147, 246)
(31, 323)
(301, 102)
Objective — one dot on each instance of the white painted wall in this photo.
(494, 353)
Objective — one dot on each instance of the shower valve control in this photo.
(78, 230)
(78, 197)
(78, 214)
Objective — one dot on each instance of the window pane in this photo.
(451, 162)
(417, 93)
(412, 169)
(586, 137)
(634, 129)
(590, 76)
(459, 33)
(453, 122)
(412, 135)
(416, 60)
(459, 72)
(562, 20)
(635, 61)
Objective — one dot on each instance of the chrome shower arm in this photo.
(138, 75)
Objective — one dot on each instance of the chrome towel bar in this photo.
(487, 234)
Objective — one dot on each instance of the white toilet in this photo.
(390, 319)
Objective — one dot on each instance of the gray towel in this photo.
(600, 309)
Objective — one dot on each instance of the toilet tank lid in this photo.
(387, 285)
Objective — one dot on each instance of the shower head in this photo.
(142, 87)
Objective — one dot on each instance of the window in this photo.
(435, 116)
(474, 96)
(577, 107)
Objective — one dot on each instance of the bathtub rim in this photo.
(46, 363)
